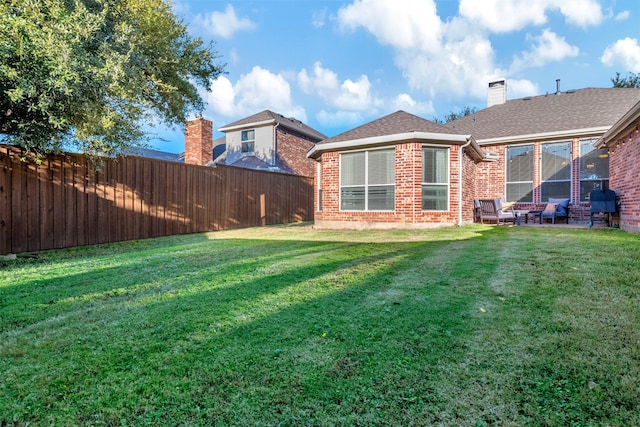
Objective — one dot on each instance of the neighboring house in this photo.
(263, 141)
(623, 144)
(157, 155)
(403, 171)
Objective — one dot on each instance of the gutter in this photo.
(374, 141)
(544, 136)
(460, 157)
(275, 144)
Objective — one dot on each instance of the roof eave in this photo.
(247, 125)
(625, 121)
(594, 131)
(377, 141)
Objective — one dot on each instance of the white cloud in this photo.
(252, 93)
(502, 16)
(223, 24)
(622, 16)
(548, 47)
(580, 12)
(518, 88)
(401, 24)
(318, 18)
(405, 102)
(352, 95)
(624, 53)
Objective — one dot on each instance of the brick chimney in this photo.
(198, 141)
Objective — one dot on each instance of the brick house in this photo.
(263, 141)
(622, 141)
(403, 171)
(397, 171)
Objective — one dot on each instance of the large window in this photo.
(247, 139)
(594, 168)
(519, 180)
(435, 179)
(367, 180)
(555, 169)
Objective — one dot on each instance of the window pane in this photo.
(381, 167)
(435, 197)
(381, 198)
(594, 167)
(556, 161)
(247, 147)
(587, 187)
(557, 190)
(520, 164)
(352, 199)
(247, 135)
(352, 169)
(521, 192)
(435, 169)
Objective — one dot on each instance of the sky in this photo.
(338, 64)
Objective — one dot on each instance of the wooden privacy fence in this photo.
(65, 202)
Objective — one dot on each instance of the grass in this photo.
(471, 326)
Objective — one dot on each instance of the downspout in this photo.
(275, 144)
(460, 158)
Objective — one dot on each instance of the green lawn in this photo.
(471, 326)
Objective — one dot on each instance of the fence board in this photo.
(64, 202)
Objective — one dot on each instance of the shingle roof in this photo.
(570, 110)
(289, 122)
(156, 154)
(392, 124)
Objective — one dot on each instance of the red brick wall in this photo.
(408, 193)
(491, 179)
(292, 151)
(198, 142)
(624, 171)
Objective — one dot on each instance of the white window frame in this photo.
(246, 142)
(366, 181)
(543, 199)
(506, 171)
(437, 184)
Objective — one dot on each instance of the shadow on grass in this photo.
(281, 332)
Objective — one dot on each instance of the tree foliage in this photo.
(631, 81)
(92, 73)
(454, 115)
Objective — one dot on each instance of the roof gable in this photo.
(267, 116)
(396, 123)
(580, 109)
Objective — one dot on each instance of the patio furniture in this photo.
(476, 211)
(520, 213)
(491, 210)
(562, 208)
(549, 211)
(602, 201)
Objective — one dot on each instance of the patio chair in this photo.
(476, 211)
(491, 210)
(562, 208)
(549, 211)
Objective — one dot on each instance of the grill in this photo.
(602, 201)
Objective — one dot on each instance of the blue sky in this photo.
(337, 64)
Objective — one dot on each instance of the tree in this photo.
(453, 115)
(91, 73)
(631, 81)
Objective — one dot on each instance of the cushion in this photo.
(550, 208)
(562, 206)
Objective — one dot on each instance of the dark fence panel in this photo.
(66, 202)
